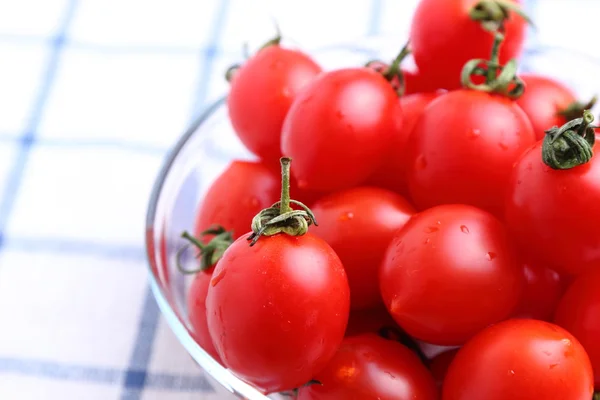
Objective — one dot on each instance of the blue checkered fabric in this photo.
(92, 94)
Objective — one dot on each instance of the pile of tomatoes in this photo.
(441, 239)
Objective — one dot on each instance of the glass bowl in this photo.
(208, 146)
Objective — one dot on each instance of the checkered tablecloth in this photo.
(92, 95)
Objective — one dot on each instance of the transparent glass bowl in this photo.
(208, 146)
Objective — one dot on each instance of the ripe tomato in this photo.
(440, 269)
(196, 303)
(392, 174)
(578, 313)
(339, 128)
(554, 214)
(463, 150)
(236, 196)
(359, 224)
(369, 321)
(439, 365)
(520, 359)
(370, 367)
(261, 93)
(444, 37)
(543, 101)
(543, 290)
(277, 311)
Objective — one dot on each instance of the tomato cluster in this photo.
(444, 239)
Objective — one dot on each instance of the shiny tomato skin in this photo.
(338, 129)
(463, 150)
(520, 359)
(392, 174)
(261, 93)
(440, 30)
(277, 311)
(578, 313)
(440, 272)
(554, 214)
(359, 224)
(236, 196)
(542, 101)
(196, 303)
(543, 290)
(369, 367)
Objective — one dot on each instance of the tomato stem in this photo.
(575, 110)
(209, 253)
(506, 82)
(394, 71)
(570, 145)
(492, 14)
(275, 41)
(281, 217)
(596, 396)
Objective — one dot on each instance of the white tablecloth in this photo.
(92, 95)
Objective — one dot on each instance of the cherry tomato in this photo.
(463, 150)
(520, 359)
(578, 313)
(236, 196)
(543, 100)
(369, 321)
(392, 174)
(370, 367)
(554, 214)
(439, 365)
(543, 290)
(261, 93)
(196, 302)
(277, 311)
(444, 37)
(441, 269)
(359, 224)
(339, 128)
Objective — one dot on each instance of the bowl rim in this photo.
(216, 371)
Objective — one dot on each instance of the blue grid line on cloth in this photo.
(53, 245)
(136, 147)
(375, 20)
(70, 372)
(136, 375)
(15, 176)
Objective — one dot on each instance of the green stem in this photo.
(285, 186)
(275, 41)
(596, 396)
(492, 14)
(494, 62)
(209, 253)
(394, 69)
(576, 109)
(281, 217)
(570, 145)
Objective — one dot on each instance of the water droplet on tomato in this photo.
(512, 372)
(552, 366)
(491, 255)
(431, 229)
(519, 182)
(427, 240)
(218, 278)
(254, 201)
(421, 162)
(286, 92)
(346, 216)
(286, 326)
(302, 184)
(464, 229)
(474, 133)
(503, 146)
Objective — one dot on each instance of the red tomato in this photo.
(543, 100)
(392, 174)
(441, 269)
(554, 214)
(262, 91)
(371, 367)
(196, 302)
(520, 359)
(578, 313)
(369, 321)
(440, 30)
(277, 311)
(339, 128)
(359, 224)
(236, 196)
(463, 150)
(543, 290)
(439, 366)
